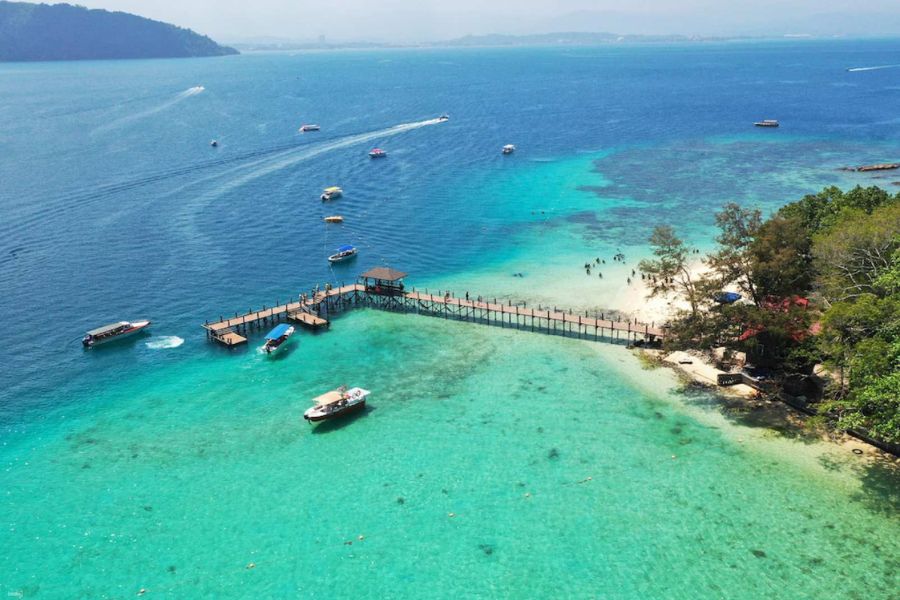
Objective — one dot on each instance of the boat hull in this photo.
(136, 329)
(335, 258)
(314, 417)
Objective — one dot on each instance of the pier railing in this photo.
(315, 310)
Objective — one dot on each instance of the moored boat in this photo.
(214, 143)
(343, 253)
(305, 128)
(508, 149)
(277, 337)
(334, 219)
(377, 153)
(767, 123)
(113, 331)
(330, 193)
(337, 403)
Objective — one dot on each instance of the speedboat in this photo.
(508, 149)
(214, 143)
(444, 117)
(334, 219)
(377, 153)
(305, 128)
(113, 331)
(343, 253)
(767, 123)
(276, 337)
(336, 403)
(330, 193)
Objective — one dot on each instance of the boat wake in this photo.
(877, 68)
(165, 342)
(291, 157)
(172, 101)
(241, 168)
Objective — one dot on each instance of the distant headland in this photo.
(39, 32)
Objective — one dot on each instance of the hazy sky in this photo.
(425, 20)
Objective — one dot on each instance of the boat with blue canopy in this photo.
(345, 252)
(277, 337)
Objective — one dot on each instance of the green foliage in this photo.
(732, 261)
(781, 258)
(843, 245)
(820, 212)
(851, 258)
(670, 272)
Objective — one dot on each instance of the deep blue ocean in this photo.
(113, 205)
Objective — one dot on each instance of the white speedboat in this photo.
(305, 128)
(343, 253)
(767, 123)
(113, 331)
(508, 149)
(444, 117)
(330, 193)
(377, 153)
(277, 337)
(337, 403)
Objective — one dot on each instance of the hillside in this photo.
(34, 32)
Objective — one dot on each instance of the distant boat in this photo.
(276, 337)
(214, 143)
(508, 149)
(767, 123)
(330, 193)
(113, 331)
(343, 253)
(334, 219)
(377, 153)
(305, 128)
(444, 117)
(336, 403)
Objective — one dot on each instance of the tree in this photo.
(852, 256)
(781, 258)
(671, 272)
(733, 261)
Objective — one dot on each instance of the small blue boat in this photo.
(345, 252)
(276, 337)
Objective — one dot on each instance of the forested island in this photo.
(807, 302)
(38, 32)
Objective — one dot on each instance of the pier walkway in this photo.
(314, 311)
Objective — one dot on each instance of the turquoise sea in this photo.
(491, 463)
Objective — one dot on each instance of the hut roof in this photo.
(384, 274)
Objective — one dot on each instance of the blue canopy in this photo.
(277, 332)
(727, 297)
(345, 248)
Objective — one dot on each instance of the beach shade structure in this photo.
(727, 297)
(383, 280)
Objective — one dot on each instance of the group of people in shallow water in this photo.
(620, 257)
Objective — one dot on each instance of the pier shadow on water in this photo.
(341, 422)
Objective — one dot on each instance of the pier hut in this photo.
(383, 281)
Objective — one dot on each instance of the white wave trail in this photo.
(292, 157)
(165, 342)
(197, 89)
(879, 67)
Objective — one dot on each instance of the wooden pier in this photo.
(383, 289)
